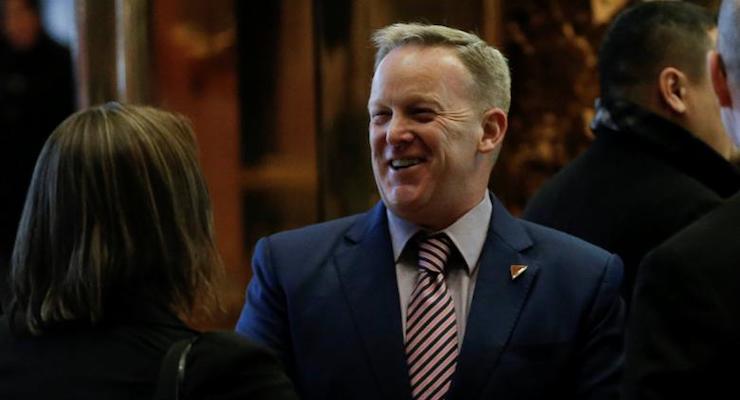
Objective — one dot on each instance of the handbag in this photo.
(172, 370)
(221, 365)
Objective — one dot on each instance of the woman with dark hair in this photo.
(115, 248)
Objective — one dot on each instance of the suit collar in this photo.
(371, 223)
(497, 303)
(506, 228)
(367, 273)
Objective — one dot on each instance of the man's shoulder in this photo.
(311, 242)
(617, 165)
(604, 169)
(546, 239)
(708, 242)
(606, 193)
(318, 231)
(570, 259)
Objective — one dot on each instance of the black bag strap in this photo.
(172, 370)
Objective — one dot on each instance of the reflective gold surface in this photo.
(112, 59)
(96, 52)
(133, 46)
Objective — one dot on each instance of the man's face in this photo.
(731, 119)
(731, 113)
(21, 24)
(426, 135)
(707, 109)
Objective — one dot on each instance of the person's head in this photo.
(655, 55)
(437, 108)
(725, 67)
(117, 210)
(21, 22)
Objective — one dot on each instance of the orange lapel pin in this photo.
(516, 270)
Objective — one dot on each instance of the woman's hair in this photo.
(117, 211)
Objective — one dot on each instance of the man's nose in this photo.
(399, 131)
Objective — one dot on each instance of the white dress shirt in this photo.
(468, 234)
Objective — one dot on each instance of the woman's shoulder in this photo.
(226, 363)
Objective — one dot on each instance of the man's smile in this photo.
(403, 163)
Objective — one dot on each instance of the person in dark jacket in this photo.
(659, 160)
(684, 336)
(36, 94)
(115, 249)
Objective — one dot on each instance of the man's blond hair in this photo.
(486, 64)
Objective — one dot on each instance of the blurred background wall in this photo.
(277, 93)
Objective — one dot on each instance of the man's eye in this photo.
(423, 114)
(380, 117)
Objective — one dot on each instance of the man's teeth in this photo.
(405, 162)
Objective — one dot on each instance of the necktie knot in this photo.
(434, 251)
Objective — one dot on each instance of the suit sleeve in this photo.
(676, 331)
(599, 371)
(264, 317)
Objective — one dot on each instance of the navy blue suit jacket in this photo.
(325, 297)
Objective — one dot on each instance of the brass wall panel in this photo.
(96, 52)
(112, 60)
(133, 46)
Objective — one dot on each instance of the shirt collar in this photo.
(468, 233)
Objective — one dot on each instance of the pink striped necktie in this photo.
(431, 326)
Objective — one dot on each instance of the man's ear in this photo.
(672, 86)
(719, 79)
(495, 123)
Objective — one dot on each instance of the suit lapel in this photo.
(367, 273)
(496, 305)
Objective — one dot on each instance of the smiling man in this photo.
(433, 144)
(438, 292)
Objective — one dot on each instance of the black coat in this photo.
(638, 183)
(36, 94)
(223, 366)
(684, 335)
(121, 360)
